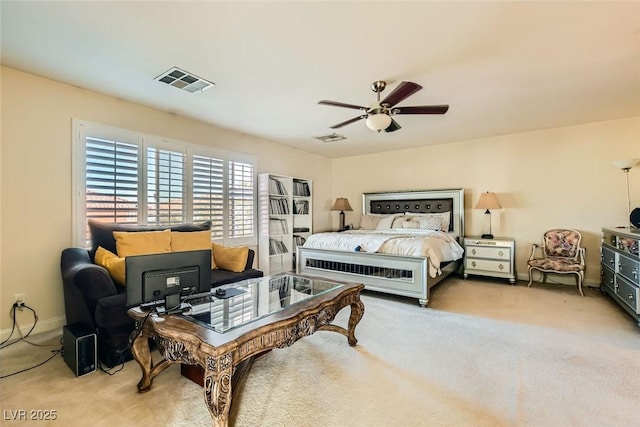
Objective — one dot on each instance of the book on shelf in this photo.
(277, 247)
(276, 186)
(278, 226)
(299, 240)
(301, 188)
(278, 206)
(300, 229)
(301, 207)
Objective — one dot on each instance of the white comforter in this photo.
(437, 246)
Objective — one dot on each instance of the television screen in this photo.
(151, 279)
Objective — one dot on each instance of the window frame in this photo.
(83, 129)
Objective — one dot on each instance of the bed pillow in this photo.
(386, 222)
(369, 222)
(445, 218)
(431, 223)
(411, 225)
(399, 221)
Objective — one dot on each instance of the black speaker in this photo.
(80, 348)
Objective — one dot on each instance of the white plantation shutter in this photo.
(208, 193)
(124, 176)
(165, 186)
(241, 199)
(111, 176)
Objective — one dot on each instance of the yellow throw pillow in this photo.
(213, 260)
(142, 242)
(112, 263)
(192, 241)
(232, 259)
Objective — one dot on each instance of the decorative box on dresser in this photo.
(285, 215)
(490, 257)
(620, 268)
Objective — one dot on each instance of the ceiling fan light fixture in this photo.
(378, 122)
(378, 115)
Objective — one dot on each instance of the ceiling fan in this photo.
(379, 114)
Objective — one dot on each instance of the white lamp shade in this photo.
(488, 201)
(341, 204)
(378, 121)
(626, 164)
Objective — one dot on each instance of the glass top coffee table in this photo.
(245, 302)
(218, 332)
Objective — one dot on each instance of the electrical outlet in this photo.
(19, 299)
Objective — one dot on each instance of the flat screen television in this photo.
(167, 278)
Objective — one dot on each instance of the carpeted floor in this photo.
(483, 354)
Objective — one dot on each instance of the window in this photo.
(129, 177)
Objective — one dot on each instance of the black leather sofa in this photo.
(93, 299)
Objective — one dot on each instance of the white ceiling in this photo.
(503, 67)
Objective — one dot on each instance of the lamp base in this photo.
(487, 236)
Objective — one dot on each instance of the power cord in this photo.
(119, 365)
(55, 352)
(123, 353)
(14, 326)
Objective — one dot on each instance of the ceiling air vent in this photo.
(183, 80)
(334, 137)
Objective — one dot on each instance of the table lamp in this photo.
(341, 204)
(488, 201)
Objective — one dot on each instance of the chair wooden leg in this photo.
(530, 276)
(580, 278)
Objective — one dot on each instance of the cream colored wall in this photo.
(544, 179)
(560, 177)
(35, 217)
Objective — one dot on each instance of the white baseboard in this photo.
(42, 326)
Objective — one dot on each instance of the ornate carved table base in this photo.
(182, 340)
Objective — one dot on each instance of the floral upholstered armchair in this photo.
(561, 254)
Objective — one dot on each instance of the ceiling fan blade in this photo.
(422, 109)
(348, 122)
(394, 126)
(400, 93)
(341, 104)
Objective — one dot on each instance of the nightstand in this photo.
(490, 257)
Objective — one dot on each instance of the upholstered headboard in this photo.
(425, 201)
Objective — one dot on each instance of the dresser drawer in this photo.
(621, 260)
(608, 278)
(487, 265)
(609, 258)
(628, 268)
(486, 252)
(628, 293)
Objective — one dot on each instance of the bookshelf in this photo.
(285, 212)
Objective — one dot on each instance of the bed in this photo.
(348, 256)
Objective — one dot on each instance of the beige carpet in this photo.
(482, 354)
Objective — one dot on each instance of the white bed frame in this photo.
(393, 274)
